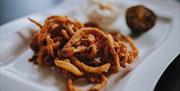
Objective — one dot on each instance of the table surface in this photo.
(170, 80)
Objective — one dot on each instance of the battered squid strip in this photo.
(116, 58)
(40, 55)
(65, 35)
(49, 45)
(93, 51)
(97, 70)
(69, 67)
(70, 30)
(35, 22)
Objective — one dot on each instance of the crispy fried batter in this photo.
(76, 51)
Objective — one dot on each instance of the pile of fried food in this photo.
(78, 51)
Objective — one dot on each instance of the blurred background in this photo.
(13, 9)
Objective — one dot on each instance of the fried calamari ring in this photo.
(121, 49)
(98, 86)
(70, 86)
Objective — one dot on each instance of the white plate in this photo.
(157, 49)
